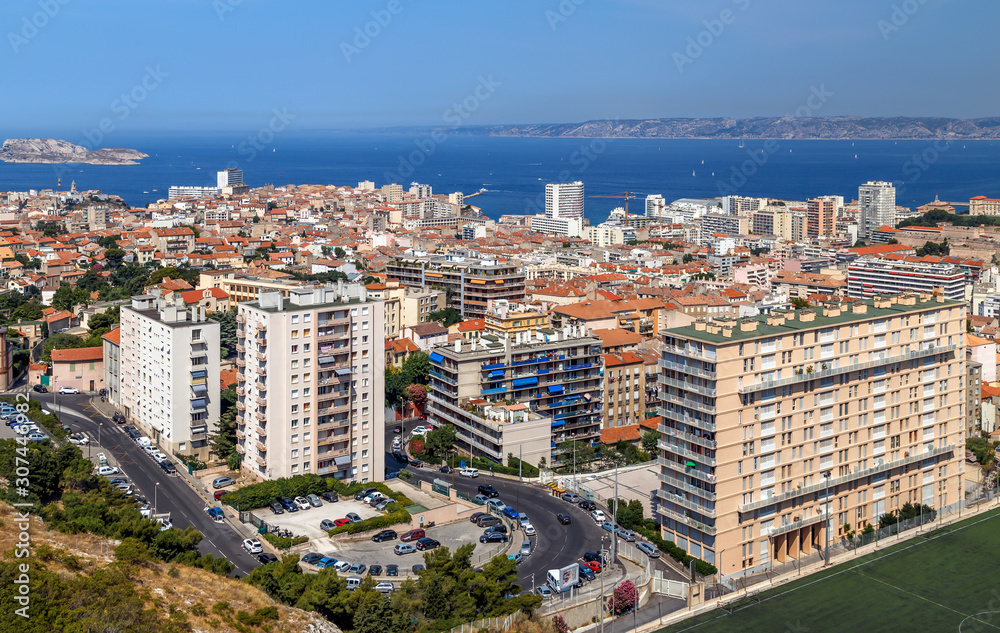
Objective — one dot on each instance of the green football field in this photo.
(944, 580)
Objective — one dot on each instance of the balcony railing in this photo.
(681, 468)
(795, 525)
(687, 386)
(685, 503)
(689, 369)
(686, 452)
(707, 529)
(684, 485)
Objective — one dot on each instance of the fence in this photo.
(667, 587)
(768, 571)
(491, 624)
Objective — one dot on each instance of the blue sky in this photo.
(227, 64)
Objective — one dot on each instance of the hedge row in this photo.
(677, 553)
(259, 495)
(283, 542)
(375, 523)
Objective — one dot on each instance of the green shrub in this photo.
(283, 542)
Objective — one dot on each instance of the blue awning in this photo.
(198, 403)
(557, 424)
(525, 382)
(496, 373)
(436, 358)
(199, 373)
(555, 388)
(572, 398)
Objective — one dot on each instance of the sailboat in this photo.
(692, 172)
(703, 161)
(741, 144)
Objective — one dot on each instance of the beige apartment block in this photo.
(782, 431)
(310, 395)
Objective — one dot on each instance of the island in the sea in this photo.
(52, 151)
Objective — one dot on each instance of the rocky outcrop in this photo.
(51, 151)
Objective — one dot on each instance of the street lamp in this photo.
(99, 425)
(155, 489)
(826, 556)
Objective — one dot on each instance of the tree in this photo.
(438, 442)
(649, 441)
(227, 332)
(624, 598)
(109, 241)
(935, 249)
(339, 253)
(395, 387)
(189, 275)
(417, 368)
(584, 454)
(447, 317)
(417, 394)
(61, 340)
(688, 258)
(799, 303)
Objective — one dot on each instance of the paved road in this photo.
(173, 494)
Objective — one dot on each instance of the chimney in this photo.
(699, 325)
(859, 307)
(805, 316)
(748, 324)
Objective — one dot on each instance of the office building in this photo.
(784, 432)
(564, 200)
(168, 380)
(310, 395)
(822, 217)
(229, 178)
(551, 376)
(473, 282)
(876, 206)
(869, 276)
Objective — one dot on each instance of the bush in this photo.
(527, 470)
(283, 542)
(675, 552)
(624, 598)
(396, 517)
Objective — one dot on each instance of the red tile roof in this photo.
(77, 355)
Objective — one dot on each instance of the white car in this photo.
(68, 390)
(24, 429)
(529, 529)
(342, 566)
(420, 431)
(165, 524)
(107, 470)
(598, 516)
(159, 457)
(385, 587)
(471, 473)
(303, 503)
(252, 545)
(81, 440)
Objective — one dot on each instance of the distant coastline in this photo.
(836, 128)
(49, 151)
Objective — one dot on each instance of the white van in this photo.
(353, 583)
(471, 473)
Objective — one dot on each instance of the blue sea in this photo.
(514, 170)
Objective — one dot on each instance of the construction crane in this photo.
(625, 195)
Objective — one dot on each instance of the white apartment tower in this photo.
(655, 206)
(310, 395)
(169, 373)
(876, 206)
(564, 200)
(230, 178)
(420, 191)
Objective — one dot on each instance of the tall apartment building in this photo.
(624, 389)
(876, 206)
(168, 380)
(564, 200)
(869, 276)
(392, 192)
(311, 389)
(565, 227)
(656, 206)
(420, 191)
(728, 224)
(742, 205)
(822, 217)
(552, 377)
(783, 431)
(470, 283)
(229, 178)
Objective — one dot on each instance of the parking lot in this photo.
(306, 522)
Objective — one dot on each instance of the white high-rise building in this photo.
(655, 206)
(876, 206)
(311, 390)
(230, 178)
(420, 191)
(564, 200)
(169, 373)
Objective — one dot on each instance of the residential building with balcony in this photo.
(168, 381)
(470, 283)
(624, 389)
(784, 430)
(506, 318)
(555, 373)
(869, 276)
(311, 384)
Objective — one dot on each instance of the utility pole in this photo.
(603, 573)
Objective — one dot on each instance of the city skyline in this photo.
(242, 60)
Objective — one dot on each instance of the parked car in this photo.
(526, 547)
(276, 507)
(489, 491)
(419, 431)
(648, 549)
(416, 463)
(413, 535)
(68, 390)
(594, 566)
(127, 488)
(496, 504)
(341, 521)
(543, 591)
(529, 529)
(353, 517)
(325, 562)
(589, 556)
(326, 525)
(375, 570)
(403, 548)
(361, 494)
(397, 429)
(267, 558)
(471, 473)
(118, 418)
(330, 497)
(312, 558)
(565, 519)
(342, 565)
(384, 587)
(79, 439)
(598, 516)
(502, 529)
(608, 526)
(481, 498)
(626, 535)
(220, 494)
(392, 570)
(445, 469)
(587, 573)
(509, 512)
(222, 482)
(572, 497)
(169, 468)
(487, 520)
(118, 480)
(418, 569)
(383, 504)
(36, 436)
(493, 537)
(314, 501)
(522, 519)
(357, 568)
(40, 388)
(107, 470)
(252, 545)
(517, 558)
(302, 503)
(427, 544)
(384, 535)
(475, 516)
(289, 504)
(587, 505)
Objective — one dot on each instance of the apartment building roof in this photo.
(759, 326)
(114, 336)
(615, 434)
(615, 337)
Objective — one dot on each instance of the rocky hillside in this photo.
(51, 151)
(842, 127)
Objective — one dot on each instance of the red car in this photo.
(220, 494)
(340, 522)
(413, 535)
(594, 566)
